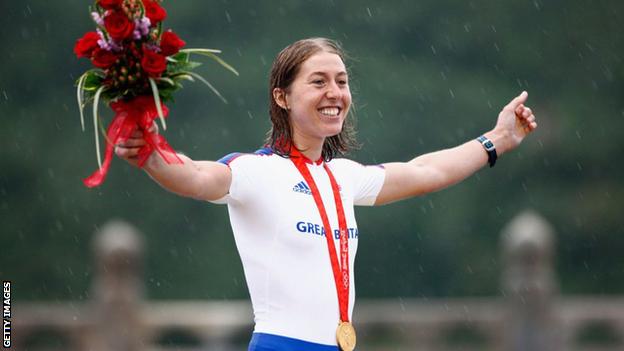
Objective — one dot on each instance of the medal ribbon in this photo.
(340, 269)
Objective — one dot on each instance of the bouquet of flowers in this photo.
(138, 67)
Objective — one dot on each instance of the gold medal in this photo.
(345, 335)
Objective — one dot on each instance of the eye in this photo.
(318, 82)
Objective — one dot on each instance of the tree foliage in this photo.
(425, 75)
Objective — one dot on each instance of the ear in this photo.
(279, 95)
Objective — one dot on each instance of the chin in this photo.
(334, 128)
(333, 132)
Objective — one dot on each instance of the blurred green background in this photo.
(425, 75)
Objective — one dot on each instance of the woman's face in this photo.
(319, 98)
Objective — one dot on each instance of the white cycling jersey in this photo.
(279, 235)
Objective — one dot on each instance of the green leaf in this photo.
(211, 53)
(80, 97)
(166, 92)
(176, 67)
(142, 8)
(93, 80)
(103, 131)
(166, 80)
(200, 51)
(159, 30)
(157, 102)
(96, 100)
(184, 76)
(201, 79)
(180, 57)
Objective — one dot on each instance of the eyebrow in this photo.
(341, 73)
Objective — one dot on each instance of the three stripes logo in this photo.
(303, 188)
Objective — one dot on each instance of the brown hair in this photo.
(284, 71)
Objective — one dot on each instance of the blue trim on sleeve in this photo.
(264, 151)
(270, 342)
(229, 158)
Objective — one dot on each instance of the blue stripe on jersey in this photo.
(270, 342)
(264, 151)
(227, 159)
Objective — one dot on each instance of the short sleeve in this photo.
(368, 183)
(240, 179)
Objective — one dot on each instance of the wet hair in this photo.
(283, 72)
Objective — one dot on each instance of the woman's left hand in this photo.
(515, 122)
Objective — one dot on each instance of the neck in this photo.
(310, 148)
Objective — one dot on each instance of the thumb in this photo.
(520, 99)
(153, 128)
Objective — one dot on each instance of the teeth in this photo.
(330, 111)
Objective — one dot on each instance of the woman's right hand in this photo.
(129, 149)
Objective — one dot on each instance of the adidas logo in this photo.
(303, 188)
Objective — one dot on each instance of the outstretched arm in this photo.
(438, 170)
(202, 180)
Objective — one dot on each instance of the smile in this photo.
(330, 111)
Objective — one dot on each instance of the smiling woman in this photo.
(301, 285)
(317, 64)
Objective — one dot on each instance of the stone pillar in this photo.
(529, 285)
(117, 289)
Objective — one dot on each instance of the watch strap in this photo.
(489, 148)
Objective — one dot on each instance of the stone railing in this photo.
(529, 316)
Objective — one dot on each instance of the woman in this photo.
(284, 198)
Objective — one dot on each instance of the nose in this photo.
(333, 91)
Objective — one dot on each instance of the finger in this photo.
(153, 128)
(126, 152)
(529, 127)
(527, 112)
(520, 99)
(137, 134)
(132, 143)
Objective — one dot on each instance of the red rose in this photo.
(153, 63)
(170, 43)
(110, 4)
(84, 46)
(118, 26)
(103, 58)
(154, 11)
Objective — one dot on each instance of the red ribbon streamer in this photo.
(138, 113)
(340, 268)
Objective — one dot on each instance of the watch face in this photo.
(488, 144)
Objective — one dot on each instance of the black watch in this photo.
(489, 147)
